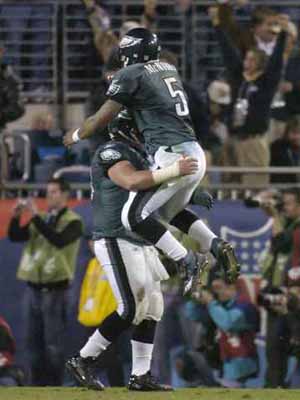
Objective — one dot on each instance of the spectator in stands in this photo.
(47, 266)
(286, 95)
(105, 39)
(286, 224)
(291, 85)
(11, 102)
(11, 106)
(261, 33)
(9, 374)
(46, 147)
(217, 102)
(183, 9)
(238, 323)
(253, 83)
(285, 152)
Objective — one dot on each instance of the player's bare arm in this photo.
(126, 176)
(99, 120)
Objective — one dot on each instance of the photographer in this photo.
(286, 224)
(293, 311)
(238, 322)
(47, 266)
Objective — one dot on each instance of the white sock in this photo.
(171, 247)
(202, 234)
(95, 345)
(141, 357)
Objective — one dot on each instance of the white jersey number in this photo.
(181, 107)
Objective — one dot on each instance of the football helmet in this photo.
(139, 45)
(123, 127)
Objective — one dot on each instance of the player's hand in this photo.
(68, 139)
(188, 166)
(203, 198)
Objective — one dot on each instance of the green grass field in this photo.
(123, 394)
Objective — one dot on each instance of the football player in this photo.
(131, 264)
(153, 93)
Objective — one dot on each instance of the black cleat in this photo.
(191, 269)
(146, 383)
(224, 253)
(82, 370)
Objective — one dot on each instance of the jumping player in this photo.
(153, 93)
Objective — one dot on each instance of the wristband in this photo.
(75, 136)
(165, 174)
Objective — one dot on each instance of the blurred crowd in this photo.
(248, 115)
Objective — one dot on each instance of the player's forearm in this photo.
(141, 180)
(89, 127)
(99, 120)
(134, 180)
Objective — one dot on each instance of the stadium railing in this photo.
(220, 189)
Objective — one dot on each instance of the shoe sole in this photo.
(73, 371)
(233, 268)
(196, 280)
(149, 389)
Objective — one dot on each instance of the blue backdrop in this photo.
(247, 228)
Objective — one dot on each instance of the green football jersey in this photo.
(108, 199)
(154, 95)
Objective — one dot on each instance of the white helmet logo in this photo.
(129, 41)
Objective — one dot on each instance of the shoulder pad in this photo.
(112, 153)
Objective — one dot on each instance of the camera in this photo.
(269, 300)
(271, 297)
(257, 201)
(22, 202)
